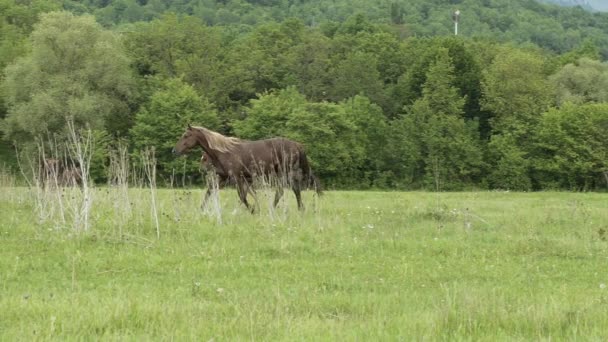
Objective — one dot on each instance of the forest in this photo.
(382, 94)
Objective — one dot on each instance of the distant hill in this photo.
(556, 28)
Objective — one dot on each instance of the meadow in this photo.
(354, 266)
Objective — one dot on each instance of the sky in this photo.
(601, 5)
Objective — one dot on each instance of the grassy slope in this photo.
(368, 266)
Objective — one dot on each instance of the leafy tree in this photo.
(372, 133)
(16, 23)
(421, 54)
(582, 82)
(309, 64)
(587, 49)
(571, 148)
(175, 46)
(511, 164)
(404, 153)
(450, 152)
(356, 74)
(260, 61)
(163, 119)
(75, 69)
(516, 90)
(385, 63)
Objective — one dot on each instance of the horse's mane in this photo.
(217, 141)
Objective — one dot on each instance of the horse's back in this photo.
(272, 154)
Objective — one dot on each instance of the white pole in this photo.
(456, 18)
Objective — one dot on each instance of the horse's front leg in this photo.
(213, 186)
(206, 199)
(277, 196)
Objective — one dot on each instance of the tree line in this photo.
(374, 109)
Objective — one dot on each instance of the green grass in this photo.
(355, 266)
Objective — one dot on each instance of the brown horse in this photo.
(59, 172)
(221, 181)
(241, 161)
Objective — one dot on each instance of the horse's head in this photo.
(186, 142)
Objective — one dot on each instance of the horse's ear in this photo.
(189, 126)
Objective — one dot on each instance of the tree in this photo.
(582, 82)
(510, 163)
(450, 152)
(516, 91)
(357, 73)
(262, 60)
(175, 46)
(372, 135)
(571, 147)
(75, 69)
(309, 64)
(163, 119)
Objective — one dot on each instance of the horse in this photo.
(241, 161)
(59, 172)
(221, 181)
(208, 167)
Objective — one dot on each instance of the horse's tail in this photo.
(310, 178)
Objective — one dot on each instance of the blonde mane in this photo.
(217, 141)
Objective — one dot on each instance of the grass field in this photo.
(355, 266)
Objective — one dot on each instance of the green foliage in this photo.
(582, 82)
(373, 136)
(17, 20)
(75, 69)
(309, 64)
(177, 46)
(510, 168)
(164, 118)
(450, 152)
(516, 91)
(102, 143)
(572, 147)
(521, 21)
(356, 73)
(261, 60)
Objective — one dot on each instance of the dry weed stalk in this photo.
(49, 197)
(211, 201)
(80, 149)
(148, 159)
(118, 178)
